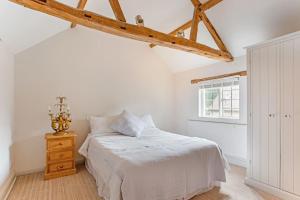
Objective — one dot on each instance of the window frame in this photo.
(201, 107)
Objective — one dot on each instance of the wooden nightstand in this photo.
(60, 155)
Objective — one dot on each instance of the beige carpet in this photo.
(82, 187)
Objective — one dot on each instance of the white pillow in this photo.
(102, 124)
(128, 124)
(147, 119)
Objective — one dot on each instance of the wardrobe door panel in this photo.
(249, 114)
(287, 136)
(260, 114)
(255, 91)
(296, 116)
(274, 115)
(264, 115)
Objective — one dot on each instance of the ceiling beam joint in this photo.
(201, 8)
(81, 5)
(183, 27)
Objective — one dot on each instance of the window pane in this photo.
(208, 95)
(208, 104)
(227, 113)
(226, 104)
(216, 113)
(235, 104)
(235, 94)
(236, 114)
(216, 103)
(212, 113)
(226, 94)
(208, 113)
(236, 87)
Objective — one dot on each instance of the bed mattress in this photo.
(156, 166)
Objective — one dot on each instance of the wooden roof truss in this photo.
(120, 27)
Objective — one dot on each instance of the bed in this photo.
(156, 166)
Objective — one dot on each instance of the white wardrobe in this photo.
(274, 116)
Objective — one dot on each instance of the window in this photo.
(220, 99)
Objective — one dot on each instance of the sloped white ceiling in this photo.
(238, 22)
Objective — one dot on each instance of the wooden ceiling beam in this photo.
(213, 32)
(183, 27)
(115, 27)
(115, 5)
(201, 8)
(196, 3)
(209, 4)
(195, 23)
(81, 5)
(197, 16)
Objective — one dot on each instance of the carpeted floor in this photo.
(82, 187)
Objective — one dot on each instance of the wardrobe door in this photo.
(274, 115)
(287, 107)
(260, 114)
(256, 115)
(265, 107)
(296, 116)
(264, 114)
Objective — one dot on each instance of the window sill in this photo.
(220, 121)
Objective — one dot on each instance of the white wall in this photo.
(99, 73)
(231, 137)
(6, 115)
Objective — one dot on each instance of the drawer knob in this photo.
(60, 144)
(60, 167)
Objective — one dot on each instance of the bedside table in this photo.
(60, 155)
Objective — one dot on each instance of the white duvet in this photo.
(157, 166)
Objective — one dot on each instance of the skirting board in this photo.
(272, 190)
(7, 186)
(236, 160)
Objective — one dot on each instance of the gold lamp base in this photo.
(61, 133)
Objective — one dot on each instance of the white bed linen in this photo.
(156, 166)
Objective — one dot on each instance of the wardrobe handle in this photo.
(270, 115)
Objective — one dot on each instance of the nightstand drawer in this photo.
(59, 144)
(59, 156)
(56, 167)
